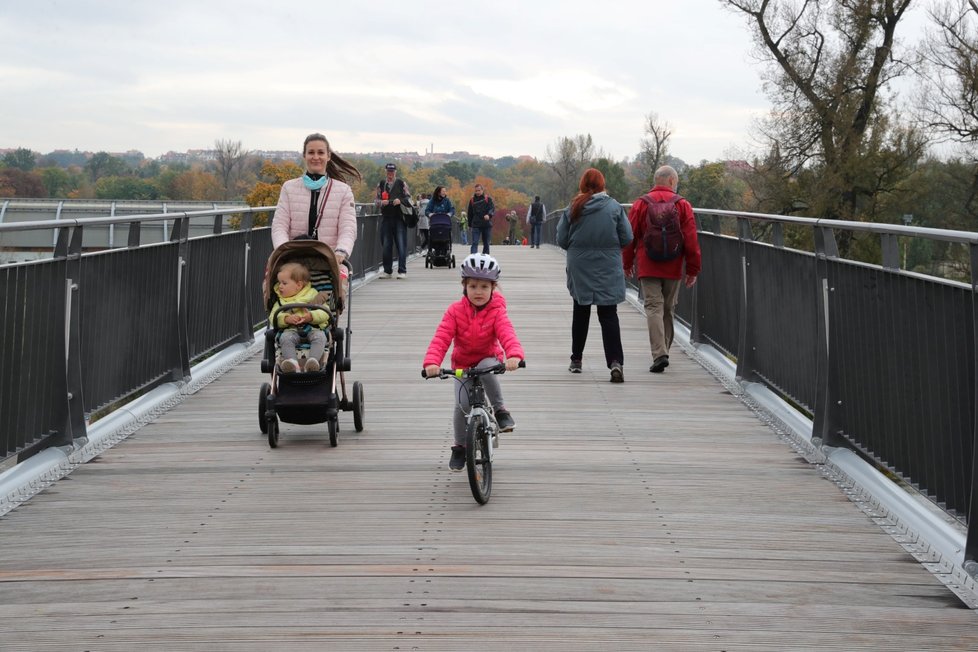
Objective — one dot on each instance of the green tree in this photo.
(21, 158)
(614, 179)
(709, 186)
(463, 172)
(125, 188)
(103, 164)
(57, 181)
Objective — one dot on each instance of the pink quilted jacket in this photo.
(338, 228)
(478, 334)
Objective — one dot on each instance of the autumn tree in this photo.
(269, 185)
(828, 62)
(17, 183)
(195, 185)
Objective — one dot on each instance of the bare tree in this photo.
(568, 158)
(950, 99)
(655, 146)
(828, 63)
(230, 157)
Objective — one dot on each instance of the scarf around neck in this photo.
(314, 180)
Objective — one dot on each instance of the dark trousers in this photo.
(535, 230)
(393, 230)
(486, 233)
(610, 332)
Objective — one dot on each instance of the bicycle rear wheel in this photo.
(478, 459)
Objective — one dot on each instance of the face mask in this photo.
(314, 184)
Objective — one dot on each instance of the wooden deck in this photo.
(655, 515)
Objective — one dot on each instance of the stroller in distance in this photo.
(439, 252)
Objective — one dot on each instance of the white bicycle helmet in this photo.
(480, 266)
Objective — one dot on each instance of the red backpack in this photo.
(663, 235)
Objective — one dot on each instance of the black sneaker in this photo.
(505, 421)
(457, 463)
(617, 375)
(575, 367)
(659, 364)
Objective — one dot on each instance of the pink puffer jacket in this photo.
(478, 334)
(338, 228)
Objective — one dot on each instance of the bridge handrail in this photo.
(43, 225)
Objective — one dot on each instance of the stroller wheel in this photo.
(262, 406)
(358, 406)
(333, 427)
(273, 433)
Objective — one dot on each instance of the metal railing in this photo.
(86, 329)
(881, 358)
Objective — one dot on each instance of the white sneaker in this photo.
(385, 275)
(402, 275)
(312, 364)
(289, 366)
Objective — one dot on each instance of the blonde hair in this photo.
(296, 271)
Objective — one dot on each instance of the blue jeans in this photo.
(536, 228)
(486, 233)
(391, 229)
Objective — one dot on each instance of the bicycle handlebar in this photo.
(499, 368)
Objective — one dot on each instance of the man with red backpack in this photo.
(664, 241)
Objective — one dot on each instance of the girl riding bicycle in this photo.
(483, 336)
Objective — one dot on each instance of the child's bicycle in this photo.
(481, 429)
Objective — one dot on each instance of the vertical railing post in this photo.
(695, 323)
(971, 543)
(824, 427)
(745, 335)
(890, 250)
(246, 333)
(76, 427)
(180, 364)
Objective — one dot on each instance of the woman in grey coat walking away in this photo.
(593, 230)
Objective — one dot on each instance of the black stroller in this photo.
(439, 252)
(310, 396)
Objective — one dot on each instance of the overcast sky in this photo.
(497, 79)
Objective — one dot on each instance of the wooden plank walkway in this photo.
(655, 515)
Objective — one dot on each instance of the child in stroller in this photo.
(299, 325)
(439, 252)
(317, 395)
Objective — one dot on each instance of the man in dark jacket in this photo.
(661, 278)
(534, 217)
(391, 192)
(480, 213)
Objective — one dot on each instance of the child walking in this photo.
(483, 336)
(298, 324)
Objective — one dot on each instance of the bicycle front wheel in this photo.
(478, 459)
